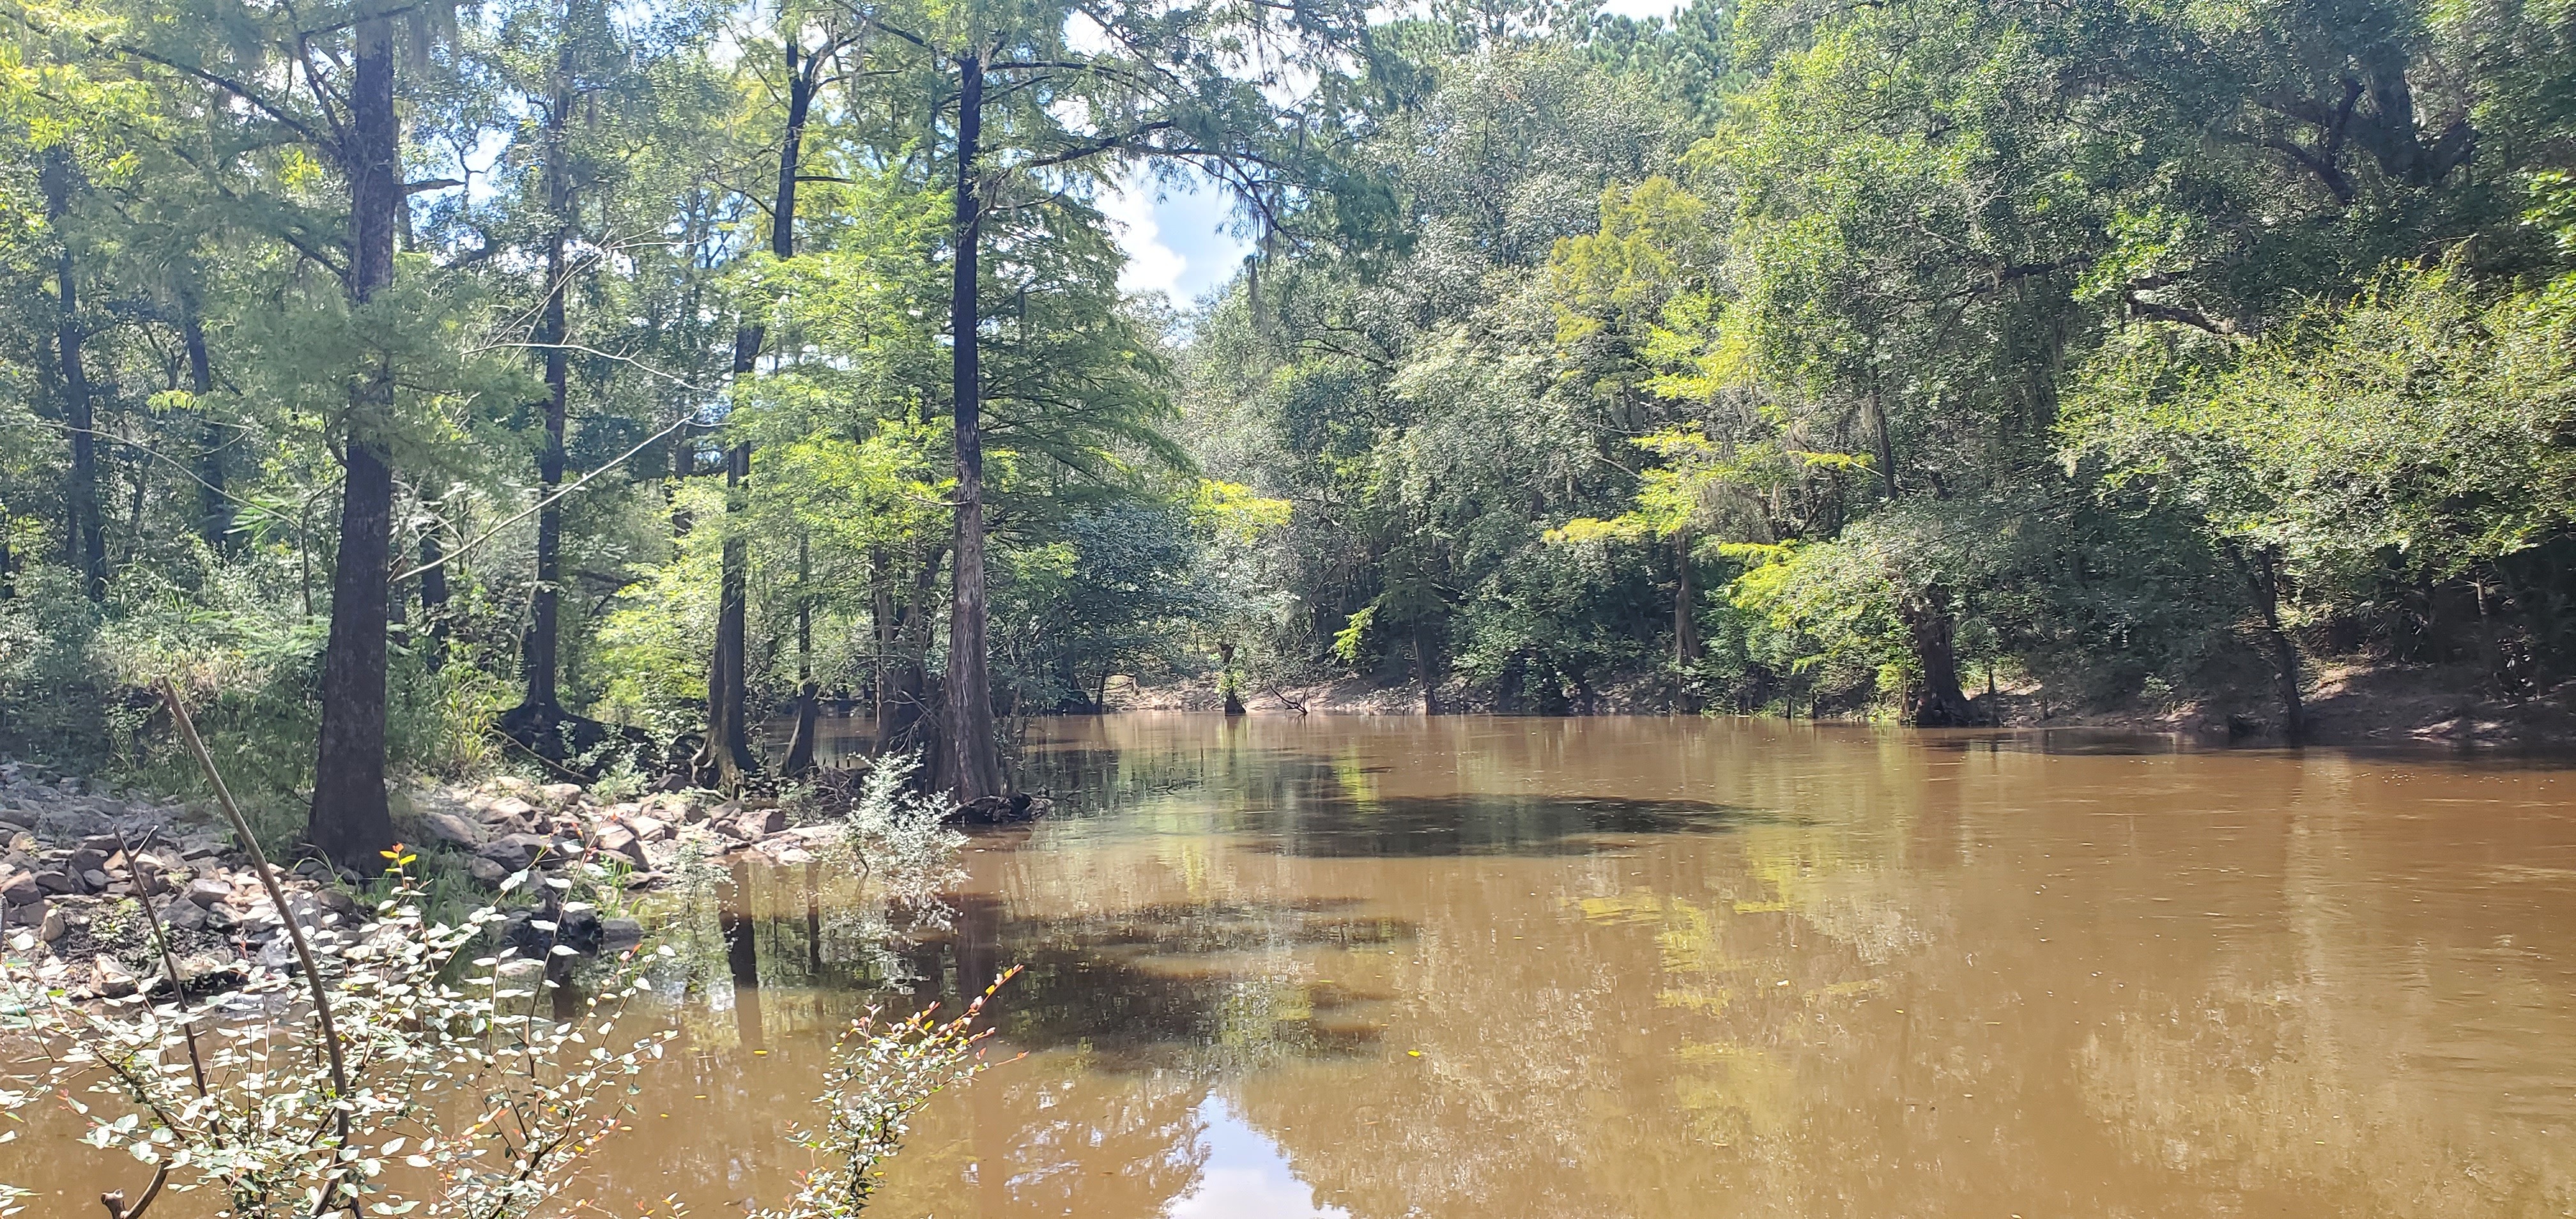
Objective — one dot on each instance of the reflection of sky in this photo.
(1244, 1176)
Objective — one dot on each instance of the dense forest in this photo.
(423, 385)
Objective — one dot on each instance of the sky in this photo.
(1176, 241)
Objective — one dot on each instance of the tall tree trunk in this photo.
(349, 820)
(84, 542)
(903, 724)
(1934, 699)
(2286, 677)
(800, 742)
(214, 507)
(433, 598)
(973, 770)
(881, 624)
(1685, 622)
(539, 658)
(1427, 663)
(727, 755)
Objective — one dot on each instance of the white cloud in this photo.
(1176, 243)
(1152, 266)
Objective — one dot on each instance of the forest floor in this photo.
(2347, 704)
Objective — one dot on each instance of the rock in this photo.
(183, 915)
(209, 891)
(212, 970)
(648, 829)
(104, 844)
(763, 822)
(55, 880)
(510, 810)
(452, 829)
(20, 889)
(516, 851)
(739, 830)
(52, 926)
(94, 880)
(560, 793)
(996, 810)
(485, 871)
(110, 977)
(337, 901)
(619, 840)
(620, 934)
(221, 918)
(511, 784)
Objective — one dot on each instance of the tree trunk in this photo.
(973, 770)
(1426, 663)
(433, 599)
(214, 508)
(84, 542)
(2286, 678)
(1685, 622)
(902, 723)
(881, 624)
(1934, 700)
(349, 820)
(727, 755)
(800, 743)
(1225, 678)
(542, 704)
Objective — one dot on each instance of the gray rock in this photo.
(52, 927)
(184, 915)
(560, 793)
(511, 810)
(516, 851)
(450, 828)
(485, 871)
(55, 880)
(20, 889)
(619, 934)
(649, 829)
(621, 841)
(94, 880)
(209, 891)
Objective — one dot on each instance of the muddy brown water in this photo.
(1283, 968)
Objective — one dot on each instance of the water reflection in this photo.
(1244, 1175)
(1923, 979)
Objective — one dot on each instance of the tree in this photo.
(1073, 91)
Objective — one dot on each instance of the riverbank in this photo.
(82, 860)
(2346, 704)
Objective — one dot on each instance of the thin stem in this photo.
(276, 894)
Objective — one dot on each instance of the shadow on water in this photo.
(1202, 984)
(1343, 827)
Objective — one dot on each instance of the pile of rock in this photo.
(506, 825)
(79, 860)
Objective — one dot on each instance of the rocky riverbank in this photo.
(83, 859)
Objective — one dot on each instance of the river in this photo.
(1472, 968)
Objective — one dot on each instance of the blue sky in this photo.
(1177, 244)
